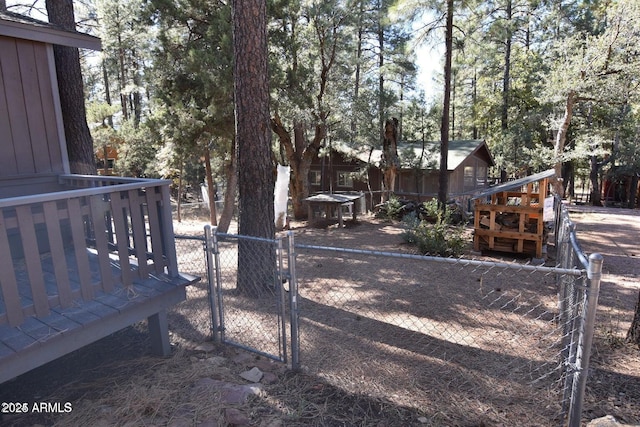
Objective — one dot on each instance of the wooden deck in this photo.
(81, 263)
(39, 340)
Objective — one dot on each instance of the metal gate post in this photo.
(279, 287)
(213, 272)
(594, 274)
(293, 304)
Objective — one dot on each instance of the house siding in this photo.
(29, 130)
(407, 186)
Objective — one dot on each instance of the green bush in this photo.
(391, 209)
(438, 238)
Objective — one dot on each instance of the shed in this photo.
(509, 217)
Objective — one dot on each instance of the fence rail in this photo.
(492, 342)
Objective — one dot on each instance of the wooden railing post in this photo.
(168, 236)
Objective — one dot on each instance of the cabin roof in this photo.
(516, 183)
(410, 153)
(23, 27)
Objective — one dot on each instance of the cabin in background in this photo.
(345, 169)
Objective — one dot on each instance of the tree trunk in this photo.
(504, 119)
(213, 215)
(594, 177)
(70, 85)
(356, 84)
(137, 97)
(230, 194)
(381, 98)
(633, 334)
(557, 184)
(443, 181)
(569, 176)
(390, 160)
(107, 94)
(299, 154)
(633, 191)
(123, 80)
(256, 261)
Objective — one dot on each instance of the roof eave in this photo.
(46, 33)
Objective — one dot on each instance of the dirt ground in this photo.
(115, 377)
(614, 378)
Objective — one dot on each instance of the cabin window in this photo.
(315, 177)
(110, 163)
(481, 176)
(469, 177)
(345, 179)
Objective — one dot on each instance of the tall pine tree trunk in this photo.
(213, 215)
(256, 260)
(230, 193)
(561, 138)
(443, 181)
(71, 88)
(390, 160)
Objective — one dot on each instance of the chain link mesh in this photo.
(452, 334)
(464, 342)
(190, 321)
(251, 298)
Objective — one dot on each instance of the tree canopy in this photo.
(544, 83)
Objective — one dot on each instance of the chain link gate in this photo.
(251, 306)
(477, 314)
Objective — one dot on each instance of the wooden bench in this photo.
(76, 266)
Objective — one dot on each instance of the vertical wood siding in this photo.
(29, 140)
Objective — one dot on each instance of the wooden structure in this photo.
(342, 169)
(509, 217)
(80, 256)
(330, 203)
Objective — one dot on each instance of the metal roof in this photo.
(409, 152)
(518, 183)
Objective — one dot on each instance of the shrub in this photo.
(435, 238)
(391, 209)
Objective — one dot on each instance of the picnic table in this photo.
(330, 202)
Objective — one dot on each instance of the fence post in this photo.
(279, 287)
(211, 247)
(568, 320)
(594, 274)
(293, 304)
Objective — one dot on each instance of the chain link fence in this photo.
(465, 342)
(462, 341)
(191, 320)
(249, 296)
(459, 341)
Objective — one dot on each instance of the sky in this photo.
(429, 62)
(429, 56)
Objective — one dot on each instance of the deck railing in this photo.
(94, 235)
